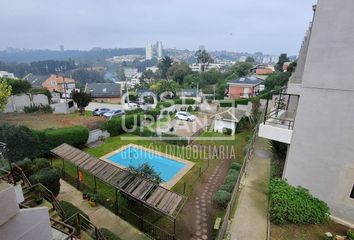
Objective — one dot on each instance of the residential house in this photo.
(61, 84)
(36, 80)
(197, 67)
(227, 118)
(245, 87)
(315, 115)
(6, 74)
(104, 92)
(263, 69)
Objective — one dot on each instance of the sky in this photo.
(271, 26)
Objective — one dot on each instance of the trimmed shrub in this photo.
(155, 113)
(187, 101)
(189, 109)
(226, 104)
(117, 126)
(38, 109)
(49, 177)
(231, 177)
(32, 166)
(295, 205)
(227, 187)
(76, 136)
(221, 198)
(20, 142)
(236, 166)
(134, 111)
(227, 131)
(108, 234)
(69, 210)
(350, 234)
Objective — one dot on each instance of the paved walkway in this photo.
(250, 219)
(100, 216)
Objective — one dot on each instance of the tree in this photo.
(147, 74)
(292, 67)
(146, 171)
(283, 58)
(240, 69)
(5, 92)
(18, 86)
(164, 86)
(178, 71)
(204, 58)
(250, 60)
(164, 65)
(276, 80)
(82, 100)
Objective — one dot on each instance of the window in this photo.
(53, 83)
(352, 193)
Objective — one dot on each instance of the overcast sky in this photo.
(270, 26)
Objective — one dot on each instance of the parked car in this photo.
(113, 113)
(186, 116)
(100, 111)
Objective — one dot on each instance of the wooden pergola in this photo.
(142, 190)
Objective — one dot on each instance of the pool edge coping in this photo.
(169, 184)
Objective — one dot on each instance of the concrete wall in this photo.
(62, 108)
(219, 126)
(320, 156)
(16, 103)
(96, 135)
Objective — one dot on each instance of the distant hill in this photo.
(16, 55)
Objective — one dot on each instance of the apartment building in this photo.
(315, 115)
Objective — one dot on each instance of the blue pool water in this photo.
(132, 156)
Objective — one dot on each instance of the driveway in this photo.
(112, 106)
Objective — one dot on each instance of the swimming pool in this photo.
(134, 156)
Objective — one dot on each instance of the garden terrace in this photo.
(142, 190)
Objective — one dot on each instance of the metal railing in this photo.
(235, 191)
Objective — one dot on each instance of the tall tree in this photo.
(178, 71)
(82, 100)
(240, 69)
(276, 80)
(204, 58)
(164, 65)
(283, 58)
(5, 92)
(164, 86)
(250, 60)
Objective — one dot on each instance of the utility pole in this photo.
(214, 92)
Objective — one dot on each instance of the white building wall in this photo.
(320, 156)
(219, 126)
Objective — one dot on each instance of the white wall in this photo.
(219, 126)
(16, 103)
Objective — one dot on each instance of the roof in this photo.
(60, 79)
(230, 114)
(252, 80)
(36, 80)
(104, 89)
(140, 189)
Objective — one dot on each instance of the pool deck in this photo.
(169, 184)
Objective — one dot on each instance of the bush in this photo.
(221, 198)
(236, 166)
(117, 126)
(38, 109)
(241, 125)
(69, 210)
(227, 131)
(134, 111)
(295, 205)
(76, 136)
(20, 142)
(155, 113)
(226, 104)
(187, 101)
(350, 234)
(189, 109)
(49, 177)
(227, 187)
(231, 177)
(108, 234)
(30, 167)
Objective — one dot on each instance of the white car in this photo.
(113, 113)
(186, 116)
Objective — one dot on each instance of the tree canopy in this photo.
(283, 58)
(161, 86)
(5, 92)
(178, 71)
(164, 66)
(18, 86)
(276, 80)
(82, 100)
(204, 58)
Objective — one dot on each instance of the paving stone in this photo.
(204, 237)
(198, 233)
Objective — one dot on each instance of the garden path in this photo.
(251, 217)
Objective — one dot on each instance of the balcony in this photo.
(278, 122)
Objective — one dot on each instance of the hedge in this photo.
(49, 177)
(23, 142)
(117, 126)
(221, 198)
(295, 205)
(155, 113)
(134, 111)
(76, 136)
(30, 167)
(108, 234)
(69, 210)
(187, 101)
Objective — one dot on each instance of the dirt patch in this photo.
(44, 121)
(306, 232)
